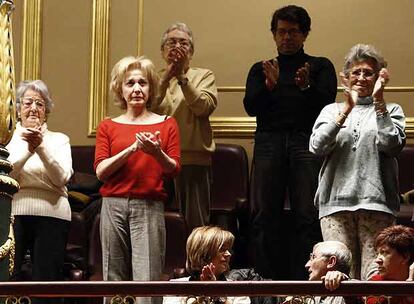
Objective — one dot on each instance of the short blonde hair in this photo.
(203, 244)
(127, 64)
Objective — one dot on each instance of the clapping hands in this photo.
(180, 57)
(382, 80)
(147, 142)
(271, 72)
(302, 76)
(33, 136)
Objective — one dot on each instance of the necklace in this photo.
(358, 116)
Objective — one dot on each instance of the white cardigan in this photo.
(42, 175)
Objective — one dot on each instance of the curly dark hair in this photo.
(293, 14)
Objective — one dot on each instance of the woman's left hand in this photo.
(382, 80)
(148, 142)
(207, 273)
(411, 273)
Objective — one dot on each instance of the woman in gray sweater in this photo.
(358, 191)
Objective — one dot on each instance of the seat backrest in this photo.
(83, 158)
(230, 175)
(176, 238)
(406, 172)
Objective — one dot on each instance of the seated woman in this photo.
(395, 254)
(208, 257)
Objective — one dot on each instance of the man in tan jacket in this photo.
(190, 95)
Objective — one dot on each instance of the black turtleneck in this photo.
(286, 107)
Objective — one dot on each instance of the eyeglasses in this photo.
(313, 256)
(28, 101)
(292, 32)
(226, 249)
(171, 42)
(365, 73)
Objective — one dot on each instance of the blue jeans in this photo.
(283, 167)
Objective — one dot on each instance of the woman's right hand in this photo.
(148, 142)
(33, 136)
(207, 273)
(351, 96)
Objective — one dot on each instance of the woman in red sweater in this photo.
(134, 151)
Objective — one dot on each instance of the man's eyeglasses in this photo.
(313, 256)
(171, 42)
(28, 101)
(292, 32)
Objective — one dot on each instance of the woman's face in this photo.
(362, 77)
(135, 89)
(391, 264)
(32, 109)
(221, 261)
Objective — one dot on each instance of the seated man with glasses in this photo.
(189, 95)
(330, 262)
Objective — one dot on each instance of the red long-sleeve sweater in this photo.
(141, 176)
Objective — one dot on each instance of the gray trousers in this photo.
(133, 240)
(193, 194)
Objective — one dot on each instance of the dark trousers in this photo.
(45, 238)
(284, 166)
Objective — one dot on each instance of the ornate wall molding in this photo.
(244, 127)
(31, 40)
(140, 30)
(99, 64)
(235, 89)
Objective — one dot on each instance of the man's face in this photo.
(176, 39)
(288, 37)
(317, 265)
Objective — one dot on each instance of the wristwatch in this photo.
(183, 81)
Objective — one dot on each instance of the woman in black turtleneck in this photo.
(208, 258)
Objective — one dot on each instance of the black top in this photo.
(286, 107)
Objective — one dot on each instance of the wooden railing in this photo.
(239, 288)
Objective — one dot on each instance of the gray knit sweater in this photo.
(360, 170)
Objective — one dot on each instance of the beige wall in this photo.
(229, 35)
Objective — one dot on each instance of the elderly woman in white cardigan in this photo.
(42, 164)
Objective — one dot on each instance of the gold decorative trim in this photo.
(235, 89)
(18, 299)
(140, 26)
(8, 248)
(31, 39)
(233, 127)
(244, 127)
(119, 299)
(99, 64)
(7, 80)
